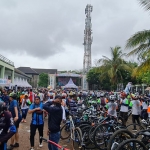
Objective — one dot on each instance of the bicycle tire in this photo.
(86, 141)
(62, 133)
(125, 132)
(103, 130)
(78, 145)
(121, 145)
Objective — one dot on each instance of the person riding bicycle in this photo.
(6, 124)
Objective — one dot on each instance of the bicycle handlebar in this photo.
(53, 143)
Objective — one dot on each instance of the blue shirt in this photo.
(12, 105)
(37, 118)
(5, 99)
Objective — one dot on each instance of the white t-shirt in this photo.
(112, 106)
(136, 109)
(124, 108)
(145, 106)
(41, 95)
(25, 106)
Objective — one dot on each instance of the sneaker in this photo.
(31, 148)
(41, 145)
(10, 147)
(16, 145)
(134, 130)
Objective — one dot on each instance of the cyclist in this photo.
(124, 107)
(36, 109)
(6, 123)
(112, 106)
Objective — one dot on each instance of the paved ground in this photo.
(24, 133)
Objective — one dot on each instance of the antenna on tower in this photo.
(87, 39)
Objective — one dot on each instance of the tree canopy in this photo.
(43, 80)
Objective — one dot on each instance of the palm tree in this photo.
(140, 42)
(113, 67)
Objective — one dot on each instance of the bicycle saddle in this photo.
(145, 133)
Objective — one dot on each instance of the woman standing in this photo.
(36, 109)
(14, 109)
(24, 107)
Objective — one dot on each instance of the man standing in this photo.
(55, 117)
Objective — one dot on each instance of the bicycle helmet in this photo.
(102, 95)
(13, 95)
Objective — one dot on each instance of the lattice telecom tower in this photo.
(87, 39)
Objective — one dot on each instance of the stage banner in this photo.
(52, 81)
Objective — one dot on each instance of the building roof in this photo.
(49, 71)
(27, 70)
(21, 73)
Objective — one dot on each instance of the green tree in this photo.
(112, 67)
(140, 42)
(43, 80)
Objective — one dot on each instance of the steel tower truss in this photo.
(87, 39)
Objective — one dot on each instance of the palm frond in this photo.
(138, 38)
(145, 4)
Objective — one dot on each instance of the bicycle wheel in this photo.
(76, 142)
(85, 138)
(91, 133)
(101, 136)
(131, 144)
(65, 131)
(118, 137)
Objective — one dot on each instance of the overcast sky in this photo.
(49, 33)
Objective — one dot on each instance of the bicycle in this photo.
(53, 143)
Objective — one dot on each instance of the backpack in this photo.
(103, 101)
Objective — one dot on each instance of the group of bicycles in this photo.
(92, 129)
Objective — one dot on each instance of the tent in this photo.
(70, 84)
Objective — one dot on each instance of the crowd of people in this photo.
(56, 105)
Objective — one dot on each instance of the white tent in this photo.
(70, 84)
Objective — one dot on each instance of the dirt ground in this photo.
(24, 137)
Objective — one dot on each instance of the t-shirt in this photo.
(144, 105)
(124, 108)
(25, 105)
(41, 95)
(136, 109)
(112, 106)
(37, 118)
(12, 105)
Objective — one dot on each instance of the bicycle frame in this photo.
(53, 143)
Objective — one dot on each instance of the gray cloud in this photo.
(41, 29)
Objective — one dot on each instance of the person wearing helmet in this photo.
(15, 111)
(112, 106)
(124, 107)
(6, 123)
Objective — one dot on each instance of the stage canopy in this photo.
(70, 84)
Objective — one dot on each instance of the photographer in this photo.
(55, 117)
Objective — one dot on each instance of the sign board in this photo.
(4, 81)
